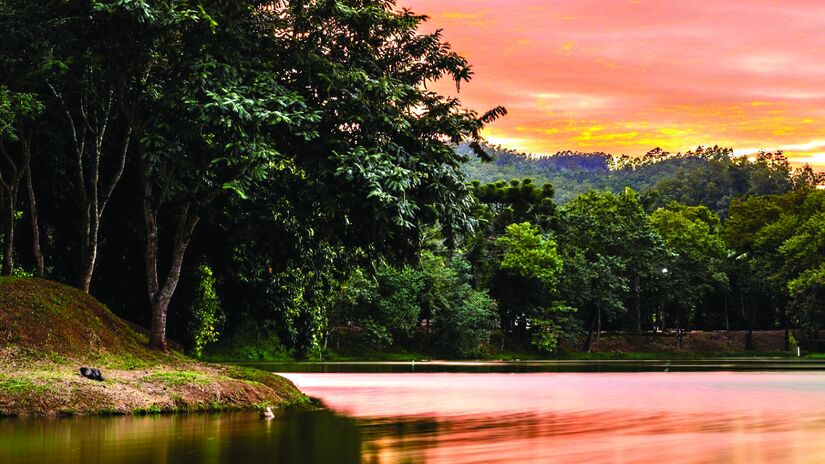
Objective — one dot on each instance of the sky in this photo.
(626, 76)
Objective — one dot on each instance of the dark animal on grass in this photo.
(93, 374)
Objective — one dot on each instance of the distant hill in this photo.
(706, 176)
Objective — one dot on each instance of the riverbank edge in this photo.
(526, 356)
(58, 390)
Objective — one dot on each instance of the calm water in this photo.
(461, 417)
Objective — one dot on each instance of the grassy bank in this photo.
(48, 331)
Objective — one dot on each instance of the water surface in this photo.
(484, 415)
(689, 417)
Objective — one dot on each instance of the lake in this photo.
(480, 415)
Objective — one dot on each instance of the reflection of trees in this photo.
(306, 438)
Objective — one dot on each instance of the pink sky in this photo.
(627, 76)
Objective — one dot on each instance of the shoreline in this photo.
(58, 390)
(49, 331)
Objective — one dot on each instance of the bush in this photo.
(464, 325)
(464, 318)
(207, 316)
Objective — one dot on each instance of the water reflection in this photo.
(650, 417)
(699, 417)
(319, 437)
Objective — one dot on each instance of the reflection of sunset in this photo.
(579, 417)
(628, 76)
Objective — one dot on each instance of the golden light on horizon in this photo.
(624, 77)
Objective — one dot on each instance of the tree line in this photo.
(551, 274)
(278, 176)
(710, 176)
(277, 141)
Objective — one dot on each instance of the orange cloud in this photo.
(670, 73)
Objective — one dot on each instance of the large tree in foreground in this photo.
(224, 94)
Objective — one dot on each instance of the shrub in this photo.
(207, 316)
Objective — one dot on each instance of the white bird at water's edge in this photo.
(267, 413)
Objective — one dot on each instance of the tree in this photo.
(464, 317)
(207, 107)
(223, 95)
(615, 236)
(496, 206)
(695, 259)
(100, 139)
(17, 113)
(526, 277)
(779, 242)
(593, 284)
(802, 254)
(22, 53)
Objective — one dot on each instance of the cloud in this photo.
(669, 73)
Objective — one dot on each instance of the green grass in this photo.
(177, 378)
(126, 361)
(17, 387)
(277, 383)
(149, 410)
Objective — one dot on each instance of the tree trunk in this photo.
(749, 336)
(88, 268)
(679, 332)
(157, 334)
(93, 192)
(588, 342)
(39, 261)
(637, 306)
(10, 185)
(727, 318)
(8, 232)
(160, 296)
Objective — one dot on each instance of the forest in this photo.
(261, 179)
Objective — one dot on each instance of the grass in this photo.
(20, 386)
(50, 330)
(178, 378)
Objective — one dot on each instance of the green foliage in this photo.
(780, 245)
(526, 253)
(525, 277)
(375, 335)
(15, 109)
(397, 299)
(709, 176)
(386, 305)
(554, 323)
(462, 328)
(614, 253)
(696, 253)
(464, 317)
(206, 315)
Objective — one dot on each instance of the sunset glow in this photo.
(627, 76)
